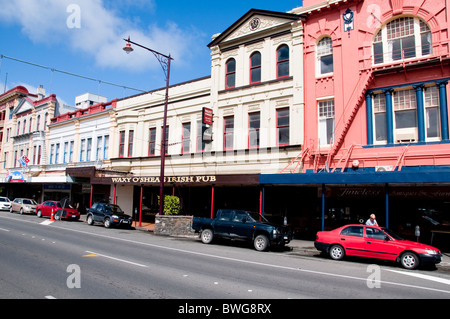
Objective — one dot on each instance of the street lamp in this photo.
(164, 61)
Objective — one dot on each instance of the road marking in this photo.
(236, 260)
(47, 222)
(90, 255)
(427, 277)
(122, 260)
(2, 229)
(49, 297)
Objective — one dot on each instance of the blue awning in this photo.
(433, 176)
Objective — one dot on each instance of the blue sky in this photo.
(85, 37)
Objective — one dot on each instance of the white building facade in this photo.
(255, 93)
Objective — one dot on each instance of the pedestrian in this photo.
(372, 221)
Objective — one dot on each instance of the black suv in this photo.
(108, 214)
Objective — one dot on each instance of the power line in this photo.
(70, 73)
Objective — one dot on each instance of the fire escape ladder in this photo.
(344, 159)
(302, 157)
(346, 120)
(400, 160)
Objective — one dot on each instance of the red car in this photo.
(375, 242)
(55, 207)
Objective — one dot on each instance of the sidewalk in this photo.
(300, 247)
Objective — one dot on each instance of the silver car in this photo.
(5, 203)
(23, 205)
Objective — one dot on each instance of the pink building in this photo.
(376, 113)
(376, 78)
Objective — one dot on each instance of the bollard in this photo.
(52, 216)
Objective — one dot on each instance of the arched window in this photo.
(283, 61)
(230, 77)
(255, 68)
(402, 38)
(325, 56)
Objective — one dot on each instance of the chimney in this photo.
(41, 92)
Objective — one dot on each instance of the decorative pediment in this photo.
(256, 24)
(25, 105)
(253, 22)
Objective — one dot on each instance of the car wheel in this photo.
(107, 222)
(207, 236)
(409, 260)
(337, 252)
(90, 220)
(261, 243)
(39, 213)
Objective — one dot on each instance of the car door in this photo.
(15, 205)
(378, 245)
(223, 223)
(242, 226)
(352, 239)
(47, 209)
(98, 212)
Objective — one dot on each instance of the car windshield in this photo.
(114, 209)
(392, 234)
(257, 217)
(29, 202)
(3, 199)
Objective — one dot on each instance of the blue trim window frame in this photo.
(414, 113)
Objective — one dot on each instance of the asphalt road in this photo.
(72, 260)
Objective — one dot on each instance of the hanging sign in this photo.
(207, 116)
(24, 160)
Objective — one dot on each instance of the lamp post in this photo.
(164, 61)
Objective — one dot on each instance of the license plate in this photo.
(125, 221)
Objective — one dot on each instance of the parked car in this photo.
(107, 214)
(50, 207)
(23, 205)
(5, 203)
(375, 242)
(242, 225)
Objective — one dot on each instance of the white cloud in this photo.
(101, 30)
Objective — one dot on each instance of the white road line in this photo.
(113, 258)
(47, 222)
(242, 261)
(2, 229)
(426, 277)
(49, 297)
